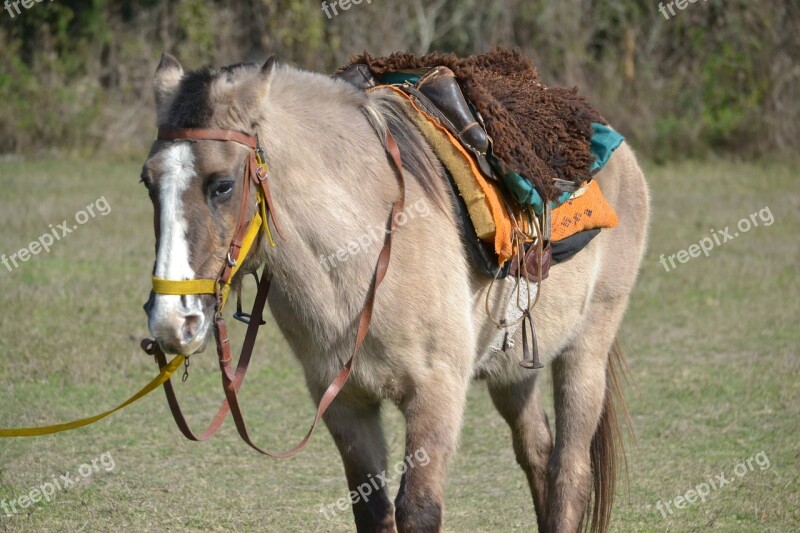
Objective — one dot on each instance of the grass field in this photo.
(712, 348)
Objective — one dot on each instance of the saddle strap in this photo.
(231, 382)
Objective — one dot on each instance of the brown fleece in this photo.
(539, 132)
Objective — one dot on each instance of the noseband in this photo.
(245, 235)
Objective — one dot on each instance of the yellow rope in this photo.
(159, 380)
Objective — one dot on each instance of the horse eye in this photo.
(222, 189)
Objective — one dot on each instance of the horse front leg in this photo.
(356, 429)
(433, 413)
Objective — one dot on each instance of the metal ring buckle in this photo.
(245, 318)
(231, 262)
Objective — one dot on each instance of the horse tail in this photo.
(608, 450)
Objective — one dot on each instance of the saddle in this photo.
(438, 92)
(502, 211)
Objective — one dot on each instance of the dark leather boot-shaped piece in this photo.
(440, 87)
(359, 75)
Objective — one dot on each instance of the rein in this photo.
(246, 233)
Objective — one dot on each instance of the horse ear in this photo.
(256, 94)
(165, 84)
(267, 67)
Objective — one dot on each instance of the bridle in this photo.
(247, 233)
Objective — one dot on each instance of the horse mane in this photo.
(194, 102)
(385, 112)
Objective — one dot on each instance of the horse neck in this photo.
(329, 175)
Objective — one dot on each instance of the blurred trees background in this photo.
(720, 75)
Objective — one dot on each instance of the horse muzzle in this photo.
(180, 324)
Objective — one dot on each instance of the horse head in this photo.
(198, 191)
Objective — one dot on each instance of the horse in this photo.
(332, 183)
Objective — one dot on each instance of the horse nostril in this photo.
(177, 330)
(191, 324)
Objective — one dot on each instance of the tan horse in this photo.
(332, 184)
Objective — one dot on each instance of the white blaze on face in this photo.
(172, 262)
(177, 170)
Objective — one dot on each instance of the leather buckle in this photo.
(530, 263)
(261, 164)
(245, 318)
(259, 154)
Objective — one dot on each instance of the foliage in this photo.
(716, 76)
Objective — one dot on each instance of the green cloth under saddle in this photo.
(602, 144)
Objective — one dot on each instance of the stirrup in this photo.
(240, 315)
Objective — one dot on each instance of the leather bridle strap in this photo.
(245, 235)
(256, 316)
(364, 320)
(245, 232)
(195, 134)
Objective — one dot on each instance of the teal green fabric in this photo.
(602, 144)
(526, 194)
(398, 78)
(523, 191)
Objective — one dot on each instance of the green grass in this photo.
(712, 347)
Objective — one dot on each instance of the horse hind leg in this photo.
(356, 430)
(588, 444)
(520, 405)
